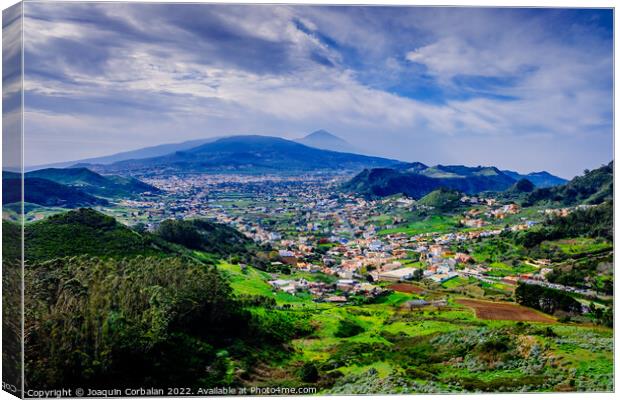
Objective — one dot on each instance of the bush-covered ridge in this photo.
(594, 222)
(380, 182)
(86, 232)
(593, 187)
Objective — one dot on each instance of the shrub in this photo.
(347, 328)
(309, 373)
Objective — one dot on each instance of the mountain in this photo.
(46, 193)
(147, 152)
(540, 179)
(381, 182)
(324, 140)
(94, 183)
(594, 187)
(249, 154)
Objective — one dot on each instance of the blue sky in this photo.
(523, 89)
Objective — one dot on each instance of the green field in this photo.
(577, 246)
(434, 223)
(248, 281)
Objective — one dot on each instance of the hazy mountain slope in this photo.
(540, 179)
(146, 152)
(322, 139)
(250, 154)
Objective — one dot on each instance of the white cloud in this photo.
(177, 85)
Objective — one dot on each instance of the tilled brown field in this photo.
(504, 311)
(406, 288)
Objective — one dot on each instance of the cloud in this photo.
(125, 75)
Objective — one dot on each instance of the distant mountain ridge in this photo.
(388, 181)
(540, 179)
(249, 154)
(146, 152)
(320, 139)
(265, 154)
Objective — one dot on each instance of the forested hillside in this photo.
(107, 304)
(594, 187)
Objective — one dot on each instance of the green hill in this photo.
(86, 232)
(110, 186)
(108, 304)
(380, 182)
(594, 187)
(522, 186)
(47, 193)
(443, 199)
(11, 241)
(213, 238)
(516, 193)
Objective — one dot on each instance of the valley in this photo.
(447, 292)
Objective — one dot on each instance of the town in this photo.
(357, 242)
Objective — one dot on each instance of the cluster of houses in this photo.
(388, 258)
(338, 292)
(474, 218)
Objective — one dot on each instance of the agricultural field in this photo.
(577, 246)
(406, 288)
(382, 348)
(468, 345)
(504, 311)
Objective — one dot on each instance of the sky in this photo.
(521, 89)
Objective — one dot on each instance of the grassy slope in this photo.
(373, 350)
(380, 321)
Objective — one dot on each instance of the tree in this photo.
(418, 274)
(546, 300)
(309, 373)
